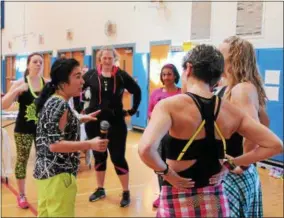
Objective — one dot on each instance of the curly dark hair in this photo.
(207, 63)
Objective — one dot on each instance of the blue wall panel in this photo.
(3, 75)
(53, 59)
(88, 61)
(272, 59)
(2, 22)
(141, 75)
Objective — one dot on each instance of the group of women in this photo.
(202, 145)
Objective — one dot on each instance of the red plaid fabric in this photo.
(209, 201)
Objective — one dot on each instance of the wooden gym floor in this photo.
(143, 188)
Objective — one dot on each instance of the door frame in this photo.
(127, 45)
(4, 73)
(46, 52)
(81, 49)
(159, 42)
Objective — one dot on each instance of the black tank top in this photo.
(206, 151)
(27, 118)
(235, 143)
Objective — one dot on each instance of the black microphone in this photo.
(104, 125)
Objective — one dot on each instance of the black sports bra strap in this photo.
(197, 102)
(207, 113)
(222, 92)
(218, 107)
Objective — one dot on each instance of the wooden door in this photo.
(158, 56)
(96, 60)
(10, 71)
(46, 65)
(79, 56)
(65, 54)
(126, 63)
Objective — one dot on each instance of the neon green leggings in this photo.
(56, 196)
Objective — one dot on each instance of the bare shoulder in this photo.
(178, 100)
(244, 88)
(175, 103)
(229, 108)
(244, 93)
(229, 117)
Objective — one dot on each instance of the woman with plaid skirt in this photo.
(245, 90)
(169, 77)
(198, 125)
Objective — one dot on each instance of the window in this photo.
(249, 18)
(200, 20)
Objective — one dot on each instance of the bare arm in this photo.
(63, 146)
(158, 126)
(151, 105)
(242, 97)
(269, 143)
(16, 89)
(69, 146)
(263, 117)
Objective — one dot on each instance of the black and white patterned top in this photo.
(47, 163)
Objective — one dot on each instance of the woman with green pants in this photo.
(58, 141)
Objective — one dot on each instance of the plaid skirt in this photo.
(209, 201)
(244, 193)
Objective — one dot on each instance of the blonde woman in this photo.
(245, 90)
(104, 87)
(197, 124)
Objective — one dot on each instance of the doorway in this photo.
(10, 71)
(77, 55)
(46, 64)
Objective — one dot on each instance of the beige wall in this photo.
(137, 22)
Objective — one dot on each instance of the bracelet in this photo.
(164, 172)
(229, 164)
(244, 167)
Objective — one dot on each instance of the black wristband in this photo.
(131, 112)
(244, 167)
(164, 172)
(229, 164)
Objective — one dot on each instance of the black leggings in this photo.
(117, 143)
(162, 152)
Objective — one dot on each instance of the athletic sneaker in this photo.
(125, 200)
(22, 202)
(97, 195)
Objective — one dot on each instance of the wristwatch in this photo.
(229, 164)
(164, 172)
(244, 167)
